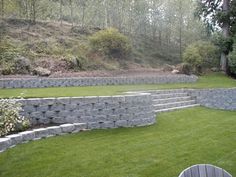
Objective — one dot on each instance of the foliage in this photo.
(184, 68)
(7, 51)
(200, 55)
(22, 65)
(232, 61)
(11, 62)
(77, 63)
(7, 68)
(111, 42)
(41, 71)
(10, 119)
(225, 44)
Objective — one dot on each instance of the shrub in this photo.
(232, 61)
(10, 119)
(41, 72)
(111, 42)
(22, 65)
(184, 68)
(201, 55)
(7, 68)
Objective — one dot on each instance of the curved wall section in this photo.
(75, 82)
(96, 112)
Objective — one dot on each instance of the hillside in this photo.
(65, 48)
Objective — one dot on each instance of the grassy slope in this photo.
(210, 81)
(180, 139)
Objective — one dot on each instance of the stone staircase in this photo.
(170, 100)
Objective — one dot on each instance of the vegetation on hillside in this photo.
(55, 34)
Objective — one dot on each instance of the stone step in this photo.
(176, 108)
(169, 95)
(171, 100)
(175, 104)
(168, 91)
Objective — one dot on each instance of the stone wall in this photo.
(97, 112)
(70, 82)
(215, 98)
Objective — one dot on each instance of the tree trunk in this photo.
(34, 11)
(106, 15)
(61, 12)
(2, 8)
(71, 12)
(83, 15)
(180, 29)
(225, 29)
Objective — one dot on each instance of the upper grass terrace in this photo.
(216, 80)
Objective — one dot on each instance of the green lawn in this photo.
(209, 81)
(180, 139)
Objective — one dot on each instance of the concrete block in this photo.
(65, 100)
(107, 124)
(57, 107)
(79, 127)
(4, 144)
(72, 119)
(55, 130)
(15, 139)
(41, 133)
(64, 113)
(99, 106)
(44, 120)
(29, 108)
(34, 101)
(48, 101)
(71, 107)
(121, 123)
(58, 120)
(50, 114)
(67, 128)
(93, 125)
(43, 108)
(79, 112)
(27, 135)
(36, 115)
(135, 122)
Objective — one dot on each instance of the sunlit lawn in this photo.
(179, 139)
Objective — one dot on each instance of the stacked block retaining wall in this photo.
(73, 82)
(97, 112)
(215, 98)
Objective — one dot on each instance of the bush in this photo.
(201, 55)
(41, 72)
(10, 119)
(7, 51)
(7, 68)
(232, 61)
(111, 42)
(22, 65)
(184, 68)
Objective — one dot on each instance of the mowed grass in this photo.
(179, 139)
(209, 81)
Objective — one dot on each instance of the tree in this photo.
(221, 13)
(2, 8)
(71, 11)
